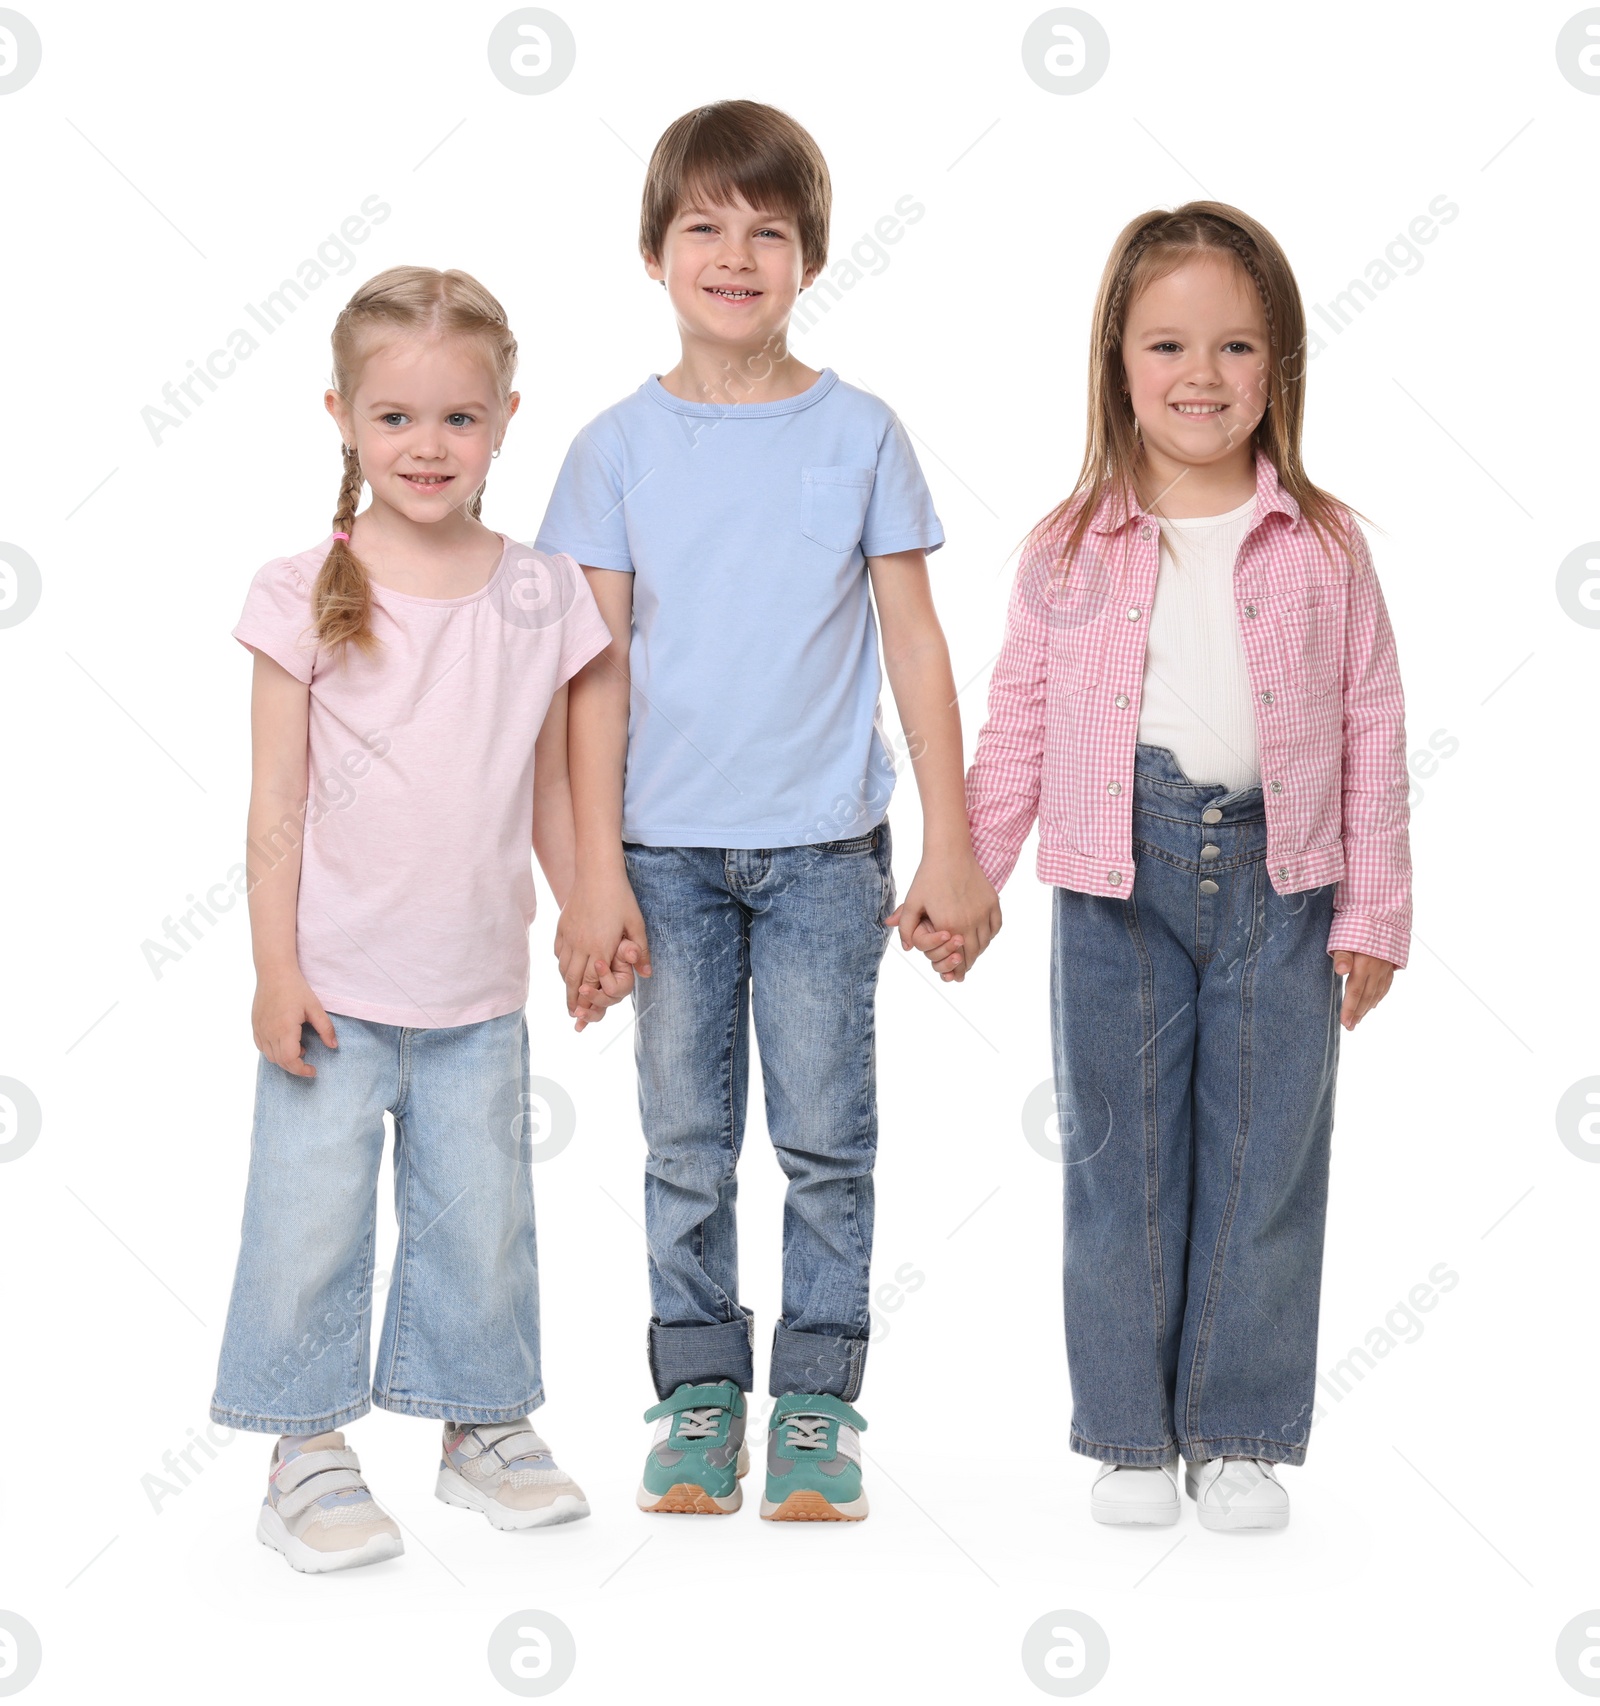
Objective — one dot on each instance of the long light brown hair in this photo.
(408, 301)
(1148, 248)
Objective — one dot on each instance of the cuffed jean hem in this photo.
(1144, 1456)
(1242, 1445)
(815, 1362)
(690, 1355)
(247, 1423)
(443, 1411)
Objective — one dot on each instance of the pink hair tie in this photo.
(344, 536)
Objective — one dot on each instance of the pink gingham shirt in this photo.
(1330, 715)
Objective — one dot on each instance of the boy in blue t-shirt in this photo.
(730, 780)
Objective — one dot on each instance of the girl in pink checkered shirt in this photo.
(1198, 700)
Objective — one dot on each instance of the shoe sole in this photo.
(456, 1490)
(1153, 1516)
(1226, 1521)
(270, 1531)
(687, 1499)
(807, 1506)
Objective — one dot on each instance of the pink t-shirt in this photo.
(416, 878)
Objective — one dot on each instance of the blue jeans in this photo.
(461, 1328)
(1196, 1038)
(798, 932)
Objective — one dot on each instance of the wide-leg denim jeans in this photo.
(797, 933)
(1196, 1041)
(460, 1334)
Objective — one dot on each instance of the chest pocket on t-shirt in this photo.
(833, 505)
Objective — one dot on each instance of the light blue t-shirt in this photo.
(754, 719)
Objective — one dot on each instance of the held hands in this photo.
(282, 1007)
(1367, 980)
(601, 946)
(956, 891)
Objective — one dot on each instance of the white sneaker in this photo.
(505, 1472)
(1127, 1492)
(1237, 1492)
(318, 1511)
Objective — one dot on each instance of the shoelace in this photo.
(807, 1433)
(698, 1424)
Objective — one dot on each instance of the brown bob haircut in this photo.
(732, 150)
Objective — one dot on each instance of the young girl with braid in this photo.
(1198, 700)
(409, 739)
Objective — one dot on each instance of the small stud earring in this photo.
(495, 451)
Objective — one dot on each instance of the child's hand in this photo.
(943, 948)
(950, 898)
(601, 915)
(604, 986)
(1367, 980)
(282, 1007)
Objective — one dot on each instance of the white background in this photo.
(167, 166)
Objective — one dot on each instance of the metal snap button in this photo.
(1212, 814)
(1249, 610)
(1266, 698)
(1121, 701)
(1283, 870)
(1146, 531)
(1207, 886)
(1209, 851)
(1113, 787)
(1113, 876)
(1134, 614)
(1276, 787)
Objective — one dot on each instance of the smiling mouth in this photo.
(732, 295)
(1197, 411)
(427, 482)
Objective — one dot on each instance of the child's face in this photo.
(425, 420)
(732, 271)
(1194, 350)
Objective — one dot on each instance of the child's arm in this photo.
(1004, 782)
(948, 890)
(554, 839)
(280, 712)
(601, 926)
(1372, 907)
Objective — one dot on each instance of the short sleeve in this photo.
(900, 514)
(584, 633)
(277, 618)
(585, 519)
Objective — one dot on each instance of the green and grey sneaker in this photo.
(698, 1453)
(814, 1460)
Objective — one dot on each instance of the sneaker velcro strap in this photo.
(715, 1395)
(504, 1440)
(816, 1404)
(311, 1487)
(291, 1473)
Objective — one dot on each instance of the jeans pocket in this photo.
(833, 505)
(851, 844)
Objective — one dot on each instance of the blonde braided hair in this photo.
(414, 300)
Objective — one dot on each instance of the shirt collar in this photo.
(1114, 514)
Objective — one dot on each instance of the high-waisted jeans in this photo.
(1196, 1037)
(798, 932)
(461, 1328)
